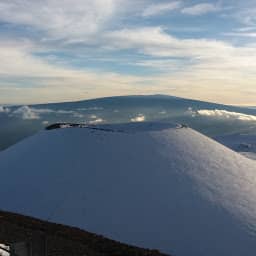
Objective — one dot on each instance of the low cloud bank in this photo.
(138, 118)
(96, 121)
(30, 113)
(220, 113)
(26, 113)
(4, 109)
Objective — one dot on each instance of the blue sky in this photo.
(54, 51)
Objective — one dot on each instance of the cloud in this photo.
(205, 65)
(241, 34)
(26, 113)
(247, 16)
(60, 111)
(157, 9)
(225, 114)
(162, 65)
(4, 109)
(191, 112)
(201, 65)
(138, 118)
(90, 108)
(29, 113)
(63, 39)
(70, 19)
(200, 9)
(208, 55)
(45, 122)
(23, 77)
(156, 42)
(246, 29)
(96, 121)
(78, 115)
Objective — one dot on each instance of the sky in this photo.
(52, 51)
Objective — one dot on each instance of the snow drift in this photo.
(148, 184)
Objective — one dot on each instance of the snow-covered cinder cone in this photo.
(153, 185)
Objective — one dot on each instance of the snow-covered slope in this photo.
(245, 144)
(148, 184)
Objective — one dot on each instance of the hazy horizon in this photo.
(117, 96)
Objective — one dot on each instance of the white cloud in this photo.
(241, 34)
(60, 111)
(156, 42)
(206, 64)
(45, 122)
(191, 112)
(46, 82)
(26, 113)
(200, 9)
(76, 18)
(157, 9)
(194, 68)
(246, 29)
(90, 108)
(78, 115)
(201, 53)
(247, 16)
(96, 121)
(138, 118)
(226, 114)
(4, 109)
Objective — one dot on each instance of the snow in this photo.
(250, 155)
(3, 252)
(153, 185)
(245, 144)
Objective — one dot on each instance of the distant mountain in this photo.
(211, 119)
(153, 185)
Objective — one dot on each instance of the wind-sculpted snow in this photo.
(154, 185)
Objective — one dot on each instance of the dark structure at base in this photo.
(59, 240)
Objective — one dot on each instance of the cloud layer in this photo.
(26, 113)
(30, 113)
(4, 109)
(76, 18)
(157, 9)
(218, 113)
(52, 51)
(138, 118)
(200, 9)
